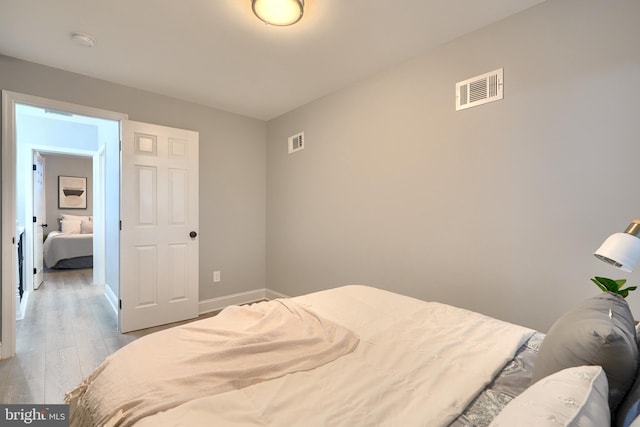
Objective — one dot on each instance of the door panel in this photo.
(158, 258)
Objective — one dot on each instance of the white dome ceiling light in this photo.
(278, 12)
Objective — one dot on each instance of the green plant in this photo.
(614, 286)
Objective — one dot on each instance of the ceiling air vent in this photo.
(296, 142)
(479, 90)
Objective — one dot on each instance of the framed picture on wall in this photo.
(72, 192)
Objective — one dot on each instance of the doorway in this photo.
(38, 124)
(152, 222)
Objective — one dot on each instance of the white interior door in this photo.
(39, 218)
(158, 237)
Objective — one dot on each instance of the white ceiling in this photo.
(216, 53)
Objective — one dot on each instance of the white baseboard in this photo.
(21, 306)
(271, 294)
(215, 304)
(112, 298)
(219, 303)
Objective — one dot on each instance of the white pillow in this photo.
(87, 227)
(75, 217)
(573, 397)
(70, 226)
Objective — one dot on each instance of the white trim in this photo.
(83, 110)
(9, 101)
(8, 333)
(271, 294)
(219, 303)
(21, 309)
(215, 304)
(111, 298)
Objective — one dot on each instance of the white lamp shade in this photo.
(621, 250)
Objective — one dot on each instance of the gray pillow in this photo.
(600, 331)
(629, 409)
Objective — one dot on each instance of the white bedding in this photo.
(239, 347)
(60, 246)
(417, 364)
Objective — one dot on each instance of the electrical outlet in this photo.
(216, 276)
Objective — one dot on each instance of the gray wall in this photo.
(497, 208)
(56, 165)
(44, 132)
(232, 166)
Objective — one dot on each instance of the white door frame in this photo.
(37, 227)
(8, 230)
(99, 186)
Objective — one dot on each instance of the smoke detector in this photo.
(83, 39)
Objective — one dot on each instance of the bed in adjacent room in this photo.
(72, 245)
(350, 356)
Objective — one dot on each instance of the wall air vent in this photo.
(58, 112)
(296, 142)
(479, 90)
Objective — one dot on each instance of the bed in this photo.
(72, 245)
(63, 250)
(349, 356)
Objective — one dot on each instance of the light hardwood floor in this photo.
(68, 330)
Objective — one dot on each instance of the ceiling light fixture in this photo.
(83, 39)
(278, 12)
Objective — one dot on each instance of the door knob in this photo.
(44, 225)
(193, 234)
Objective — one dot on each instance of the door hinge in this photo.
(120, 304)
(35, 168)
(35, 219)
(120, 225)
(35, 271)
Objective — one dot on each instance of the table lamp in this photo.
(622, 250)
